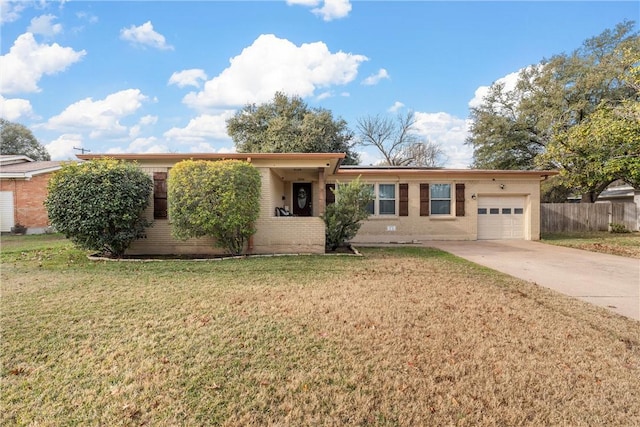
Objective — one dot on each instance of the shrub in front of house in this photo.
(99, 204)
(344, 217)
(220, 199)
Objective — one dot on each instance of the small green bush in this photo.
(219, 199)
(618, 228)
(343, 218)
(99, 205)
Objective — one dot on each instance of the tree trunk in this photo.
(588, 197)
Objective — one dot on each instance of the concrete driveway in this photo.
(609, 281)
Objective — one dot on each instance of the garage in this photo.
(6, 211)
(501, 218)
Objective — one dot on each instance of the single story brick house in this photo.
(411, 204)
(23, 190)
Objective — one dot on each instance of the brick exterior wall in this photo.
(28, 201)
(275, 235)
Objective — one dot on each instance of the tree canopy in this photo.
(288, 124)
(397, 141)
(17, 139)
(575, 112)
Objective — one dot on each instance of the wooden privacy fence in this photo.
(559, 217)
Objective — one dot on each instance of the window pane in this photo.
(494, 211)
(387, 191)
(482, 211)
(387, 207)
(506, 211)
(440, 191)
(518, 211)
(370, 207)
(440, 207)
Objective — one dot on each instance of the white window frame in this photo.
(376, 199)
(440, 199)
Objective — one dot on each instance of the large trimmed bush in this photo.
(344, 217)
(99, 205)
(220, 199)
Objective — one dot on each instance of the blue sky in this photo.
(163, 76)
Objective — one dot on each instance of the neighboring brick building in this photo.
(411, 204)
(23, 189)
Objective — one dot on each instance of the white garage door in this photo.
(6, 211)
(500, 218)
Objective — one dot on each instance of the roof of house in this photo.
(27, 169)
(345, 170)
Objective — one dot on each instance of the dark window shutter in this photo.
(404, 200)
(459, 199)
(159, 195)
(424, 199)
(329, 195)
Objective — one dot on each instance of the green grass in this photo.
(625, 244)
(405, 336)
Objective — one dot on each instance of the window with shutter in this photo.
(160, 195)
(424, 199)
(403, 209)
(459, 199)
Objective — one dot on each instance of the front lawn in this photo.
(402, 336)
(624, 244)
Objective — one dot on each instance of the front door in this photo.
(302, 199)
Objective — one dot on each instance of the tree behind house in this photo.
(397, 141)
(288, 125)
(16, 139)
(219, 199)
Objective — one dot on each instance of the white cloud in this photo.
(44, 25)
(310, 3)
(395, 107)
(89, 17)
(450, 132)
(144, 121)
(15, 109)
(333, 9)
(205, 127)
(27, 61)
(330, 10)
(145, 36)
(102, 117)
(324, 95)
(141, 145)
(283, 66)
(62, 148)
(509, 82)
(376, 78)
(10, 11)
(190, 77)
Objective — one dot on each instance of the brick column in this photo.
(321, 192)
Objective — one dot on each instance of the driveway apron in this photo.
(605, 280)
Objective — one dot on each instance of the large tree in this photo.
(397, 141)
(546, 120)
(288, 124)
(17, 139)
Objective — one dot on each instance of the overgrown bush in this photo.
(98, 205)
(343, 218)
(219, 199)
(618, 228)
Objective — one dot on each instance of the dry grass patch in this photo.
(408, 336)
(627, 245)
